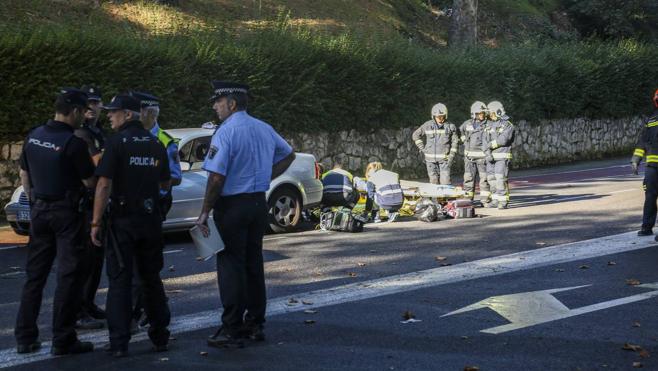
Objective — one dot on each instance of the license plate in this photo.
(23, 215)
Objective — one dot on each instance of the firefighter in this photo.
(338, 188)
(475, 166)
(497, 147)
(647, 145)
(440, 145)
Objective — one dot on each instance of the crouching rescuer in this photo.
(647, 145)
(440, 145)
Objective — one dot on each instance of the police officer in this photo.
(55, 167)
(132, 171)
(338, 188)
(244, 155)
(150, 110)
(440, 145)
(647, 145)
(90, 315)
(497, 147)
(475, 166)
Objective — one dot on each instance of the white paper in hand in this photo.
(207, 247)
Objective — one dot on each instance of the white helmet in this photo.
(497, 108)
(478, 107)
(440, 109)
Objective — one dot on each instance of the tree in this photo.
(463, 26)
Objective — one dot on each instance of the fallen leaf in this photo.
(351, 274)
(636, 324)
(644, 353)
(408, 315)
(541, 243)
(559, 270)
(172, 268)
(318, 273)
(310, 311)
(174, 291)
(292, 301)
(373, 251)
(361, 264)
(445, 264)
(288, 269)
(637, 365)
(632, 282)
(632, 347)
(471, 368)
(612, 263)
(309, 321)
(464, 337)
(411, 320)
(203, 354)
(584, 266)
(306, 302)
(164, 359)
(440, 258)
(199, 259)
(172, 338)
(280, 343)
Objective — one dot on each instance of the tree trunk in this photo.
(463, 26)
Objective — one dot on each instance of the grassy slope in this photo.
(371, 19)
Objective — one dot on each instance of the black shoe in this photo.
(644, 232)
(88, 323)
(28, 348)
(75, 348)
(252, 332)
(225, 339)
(96, 312)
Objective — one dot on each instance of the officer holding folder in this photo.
(244, 155)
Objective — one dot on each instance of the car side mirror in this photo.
(185, 166)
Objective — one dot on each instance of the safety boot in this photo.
(645, 232)
(225, 339)
(28, 348)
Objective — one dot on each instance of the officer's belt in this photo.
(123, 206)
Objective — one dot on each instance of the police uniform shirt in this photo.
(172, 154)
(76, 161)
(244, 149)
(135, 161)
(93, 136)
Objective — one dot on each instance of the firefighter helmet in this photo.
(440, 109)
(478, 107)
(496, 107)
(655, 98)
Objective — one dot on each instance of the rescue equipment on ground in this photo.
(341, 220)
(459, 209)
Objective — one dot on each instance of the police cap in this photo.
(93, 92)
(146, 99)
(73, 96)
(222, 88)
(121, 102)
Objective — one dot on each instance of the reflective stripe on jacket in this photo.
(440, 141)
(647, 143)
(498, 138)
(471, 132)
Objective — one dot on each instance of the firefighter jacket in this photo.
(338, 181)
(647, 143)
(498, 138)
(472, 132)
(441, 140)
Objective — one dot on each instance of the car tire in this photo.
(285, 210)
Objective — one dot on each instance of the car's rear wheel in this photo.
(285, 210)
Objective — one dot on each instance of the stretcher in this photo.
(414, 189)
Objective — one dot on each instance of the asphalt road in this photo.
(361, 285)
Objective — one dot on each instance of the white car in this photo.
(299, 187)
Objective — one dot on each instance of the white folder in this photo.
(207, 247)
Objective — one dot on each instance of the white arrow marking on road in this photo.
(488, 267)
(532, 308)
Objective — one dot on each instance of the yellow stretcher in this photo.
(415, 190)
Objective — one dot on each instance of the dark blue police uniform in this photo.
(57, 162)
(136, 163)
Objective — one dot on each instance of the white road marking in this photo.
(172, 251)
(10, 247)
(533, 308)
(615, 244)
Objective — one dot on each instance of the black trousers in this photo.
(55, 231)
(93, 268)
(138, 249)
(650, 195)
(241, 220)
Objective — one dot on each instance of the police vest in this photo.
(51, 176)
(338, 181)
(165, 138)
(389, 196)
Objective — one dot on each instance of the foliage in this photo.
(305, 82)
(614, 19)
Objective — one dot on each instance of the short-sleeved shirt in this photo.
(244, 149)
(75, 157)
(135, 161)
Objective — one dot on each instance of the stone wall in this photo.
(536, 144)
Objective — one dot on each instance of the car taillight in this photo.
(317, 171)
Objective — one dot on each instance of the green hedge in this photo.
(304, 83)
